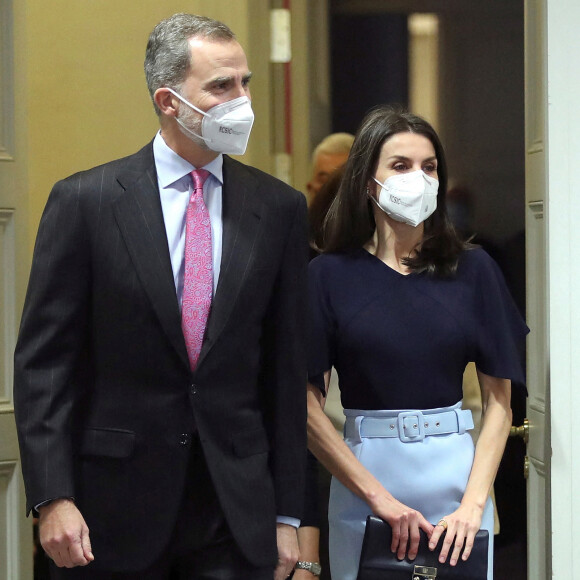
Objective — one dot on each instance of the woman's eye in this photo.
(429, 168)
(399, 167)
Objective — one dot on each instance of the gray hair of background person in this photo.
(334, 144)
(168, 55)
(350, 222)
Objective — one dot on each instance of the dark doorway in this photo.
(362, 78)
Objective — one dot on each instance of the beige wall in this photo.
(85, 97)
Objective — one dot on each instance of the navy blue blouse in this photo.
(403, 341)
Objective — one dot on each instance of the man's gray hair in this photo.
(168, 55)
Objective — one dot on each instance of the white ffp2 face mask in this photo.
(226, 127)
(409, 198)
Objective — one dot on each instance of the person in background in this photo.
(160, 366)
(399, 305)
(329, 154)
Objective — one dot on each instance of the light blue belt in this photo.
(409, 426)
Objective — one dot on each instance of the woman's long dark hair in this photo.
(350, 222)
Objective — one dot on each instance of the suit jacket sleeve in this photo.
(284, 373)
(50, 343)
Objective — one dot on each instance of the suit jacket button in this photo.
(184, 439)
(193, 389)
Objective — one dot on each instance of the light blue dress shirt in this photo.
(175, 188)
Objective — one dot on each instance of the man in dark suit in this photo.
(152, 449)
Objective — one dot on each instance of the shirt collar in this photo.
(171, 167)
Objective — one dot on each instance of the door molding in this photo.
(7, 306)
(9, 508)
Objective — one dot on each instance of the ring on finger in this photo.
(443, 524)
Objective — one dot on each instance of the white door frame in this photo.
(563, 276)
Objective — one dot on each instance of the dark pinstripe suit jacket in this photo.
(105, 400)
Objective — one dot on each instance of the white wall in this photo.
(563, 75)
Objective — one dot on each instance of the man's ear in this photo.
(166, 101)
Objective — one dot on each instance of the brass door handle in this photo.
(522, 431)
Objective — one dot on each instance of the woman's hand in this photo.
(462, 525)
(404, 521)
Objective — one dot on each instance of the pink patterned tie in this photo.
(198, 278)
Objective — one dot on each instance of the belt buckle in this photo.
(424, 573)
(417, 423)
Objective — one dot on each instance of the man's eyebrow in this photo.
(220, 80)
(228, 79)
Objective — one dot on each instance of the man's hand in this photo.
(288, 553)
(64, 535)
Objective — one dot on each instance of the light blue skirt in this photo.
(428, 475)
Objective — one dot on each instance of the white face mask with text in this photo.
(226, 127)
(409, 198)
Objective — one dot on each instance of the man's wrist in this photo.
(46, 503)
(313, 567)
(290, 521)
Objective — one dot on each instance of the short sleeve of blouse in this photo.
(501, 329)
(321, 326)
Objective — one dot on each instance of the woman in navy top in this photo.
(399, 307)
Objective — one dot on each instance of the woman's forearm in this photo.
(496, 423)
(330, 449)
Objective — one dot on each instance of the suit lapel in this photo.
(241, 214)
(140, 218)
